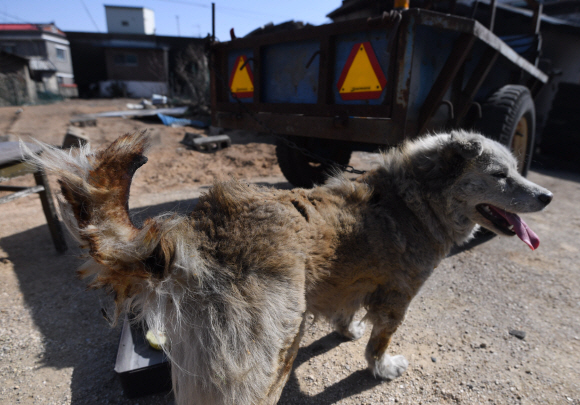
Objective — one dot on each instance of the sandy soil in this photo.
(56, 348)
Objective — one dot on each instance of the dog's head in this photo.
(482, 181)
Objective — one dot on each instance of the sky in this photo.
(188, 18)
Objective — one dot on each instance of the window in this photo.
(131, 59)
(125, 59)
(10, 48)
(61, 53)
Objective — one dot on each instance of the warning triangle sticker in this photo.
(362, 77)
(242, 79)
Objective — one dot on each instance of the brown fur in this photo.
(231, 282)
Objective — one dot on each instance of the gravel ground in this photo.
(56, 348)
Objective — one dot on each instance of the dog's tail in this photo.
(95, 188)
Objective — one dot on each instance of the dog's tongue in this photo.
(521, 229)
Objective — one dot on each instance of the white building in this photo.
(130, 20)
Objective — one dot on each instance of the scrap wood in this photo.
(74, 137)
(133, 113)
(211, 144)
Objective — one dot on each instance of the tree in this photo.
(192, 72)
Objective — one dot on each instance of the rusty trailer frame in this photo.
(440, 68)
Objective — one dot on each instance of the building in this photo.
(48, 52)
(130, 65)
(130, 20)
(129, 60)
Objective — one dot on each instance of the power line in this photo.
(187, 3)
(90, 15)
(226, 10)
(14, 17)
(251, 12)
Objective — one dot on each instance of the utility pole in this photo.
(213, 22)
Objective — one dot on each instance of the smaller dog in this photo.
(230, 283)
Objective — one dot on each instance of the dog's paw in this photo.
(389, 368)
(354, 331)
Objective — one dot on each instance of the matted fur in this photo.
(230, 283)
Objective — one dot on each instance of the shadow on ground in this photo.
(353, 384)
(77, 336)
(554, 167)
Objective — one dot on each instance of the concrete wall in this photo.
(16, 86)
(48, 83)
(30, 87)
(108, 88)
(149, 21)
(62, 65)
(130, 20)
(68, 90)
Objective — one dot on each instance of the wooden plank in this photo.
(135, 113)
(12, 188)
(50, 211)
(16, 170)
(10, 152)
(74, 137)
(23, 193)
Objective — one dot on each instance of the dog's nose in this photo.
(546, 198)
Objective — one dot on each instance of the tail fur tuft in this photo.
(95, 187)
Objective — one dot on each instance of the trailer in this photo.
(367, 84)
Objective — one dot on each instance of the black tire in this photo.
(303, 171)
(509, 117)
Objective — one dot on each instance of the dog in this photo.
(230, 283)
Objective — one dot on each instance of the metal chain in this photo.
(283, 139)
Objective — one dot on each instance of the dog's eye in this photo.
(500, 175)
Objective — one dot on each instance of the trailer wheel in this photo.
(303, 171)
(509, 117)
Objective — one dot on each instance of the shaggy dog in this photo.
(230, 283)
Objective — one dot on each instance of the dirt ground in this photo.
(56, 348)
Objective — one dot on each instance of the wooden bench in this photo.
(13, 165)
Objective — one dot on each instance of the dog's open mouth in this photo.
(510, 224)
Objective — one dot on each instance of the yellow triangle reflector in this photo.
(362, 77)
(242, 79)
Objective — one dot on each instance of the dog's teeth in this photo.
(511, 227)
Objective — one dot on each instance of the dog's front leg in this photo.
(386, 311)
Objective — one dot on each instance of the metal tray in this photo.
(141, 369)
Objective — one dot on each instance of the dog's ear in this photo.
(441, 163)
(462, 146)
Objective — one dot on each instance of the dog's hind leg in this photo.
(286, 360)
(347, 326)
(386, 312)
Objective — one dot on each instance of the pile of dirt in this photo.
(171, 165)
